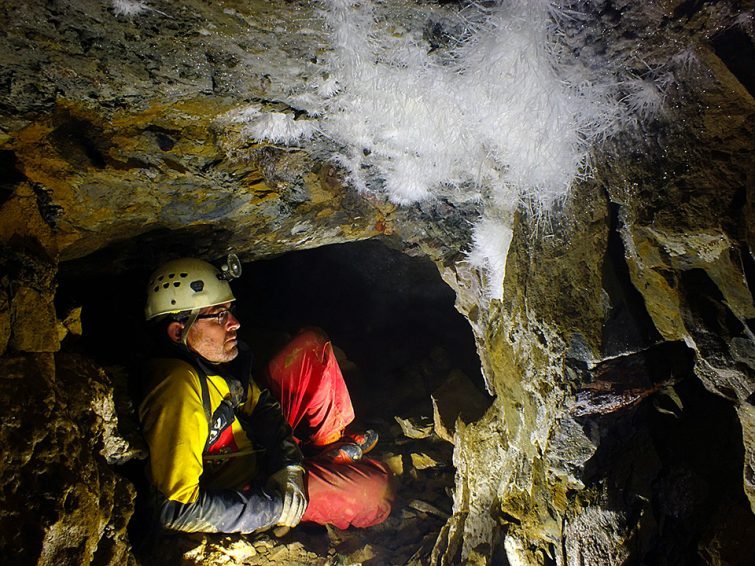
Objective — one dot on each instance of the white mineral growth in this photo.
(128, 8)
(491, 239)
(509, 112)
(508, 115)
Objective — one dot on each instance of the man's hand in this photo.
(289, 481)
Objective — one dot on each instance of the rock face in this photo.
(621, 357)
(651, 263)
(63, 502)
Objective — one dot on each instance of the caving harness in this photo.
(220, 421)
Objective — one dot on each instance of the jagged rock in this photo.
(425, 507)
(569, 449)
(48, 518)
(238, 551)
(596, 536)
(447, 549)
(34, 322)
(456, 398)
(5, 318)
(395, 462)
(361, 556)
(71, 324)
(28, 264)
(96, 410)
(746, 413)
(422, 461)
(415, 428)
(22, 221)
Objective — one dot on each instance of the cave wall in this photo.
(621, 352)
(116, 152)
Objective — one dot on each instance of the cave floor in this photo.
(421, 506)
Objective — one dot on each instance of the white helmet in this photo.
(185, 284)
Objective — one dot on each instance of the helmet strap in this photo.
(188, 324)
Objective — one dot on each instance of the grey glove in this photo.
(289, 481)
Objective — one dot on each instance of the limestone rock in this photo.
(96, 410)
(5, 318)
(27, 287)
(568, 451)
(34, 322)
(22, 218)
(118, 149)
(425, 507)
(456, 398)
(422, 461)
(746, 413)
(395, 463)
(596, 536)
(71, 324)
(49, 518)
(415, 428)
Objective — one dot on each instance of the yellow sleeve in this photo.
(176, 430)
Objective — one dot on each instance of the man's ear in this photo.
(175, 329)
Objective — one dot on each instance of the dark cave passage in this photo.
(390, 314)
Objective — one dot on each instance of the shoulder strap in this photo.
(224, 414)
(205, 401)
(182, 353)
(205, 394)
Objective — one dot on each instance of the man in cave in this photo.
(227, 455)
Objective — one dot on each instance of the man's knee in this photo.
(312, 335)
(359, 494)
(378, 494)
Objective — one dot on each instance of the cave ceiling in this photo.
(121, 118)
(117, 125)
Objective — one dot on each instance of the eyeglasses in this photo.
(221, 317)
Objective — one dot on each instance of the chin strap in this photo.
(187, 326)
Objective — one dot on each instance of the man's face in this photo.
(215, 338)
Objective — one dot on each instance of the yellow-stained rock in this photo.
(456, 398)
(746, 414)
(422, 461)
(71, 324)
(20, 217)
(72, 321)
(126, 140)
(395, 462)
(34, 326)
(81, 517)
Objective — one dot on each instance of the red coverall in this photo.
(306, 379)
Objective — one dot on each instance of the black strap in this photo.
(205, 401)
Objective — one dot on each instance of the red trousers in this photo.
(309, 385)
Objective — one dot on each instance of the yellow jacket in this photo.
(215, 485)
